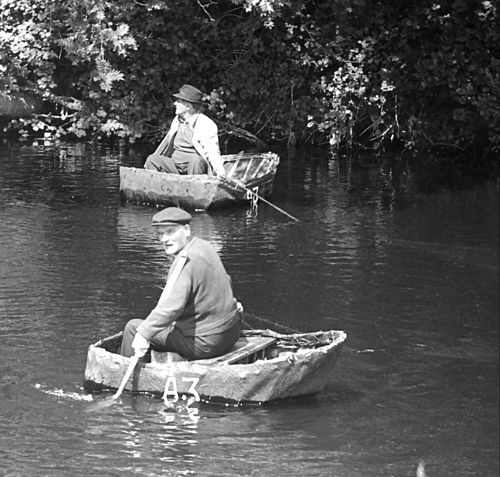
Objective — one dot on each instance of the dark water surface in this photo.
(412, 279)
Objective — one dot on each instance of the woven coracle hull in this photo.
(254, 171)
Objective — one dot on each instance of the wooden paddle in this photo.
(126, 377)
(250, 191)
(107, 402)
(179, 265)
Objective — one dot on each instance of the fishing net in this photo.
(288, 338)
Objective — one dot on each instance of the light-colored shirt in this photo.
(205, 140)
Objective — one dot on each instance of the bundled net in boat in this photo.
(287, 338)
(304, 340)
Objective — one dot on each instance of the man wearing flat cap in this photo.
(191, 146)
(197, 315)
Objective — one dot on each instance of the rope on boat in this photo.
(273, 324)
(258, 197)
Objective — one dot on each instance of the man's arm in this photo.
(169, 307)
(207, 138)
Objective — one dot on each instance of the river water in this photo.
(411, 277)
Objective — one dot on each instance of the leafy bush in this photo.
(349, 72)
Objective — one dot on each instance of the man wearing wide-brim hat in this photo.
(191, 146)
(197, 315)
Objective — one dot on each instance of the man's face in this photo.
(183, 107)
(173, 237)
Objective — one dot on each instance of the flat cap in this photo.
(171, 215)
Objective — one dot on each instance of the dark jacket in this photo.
(201, 302)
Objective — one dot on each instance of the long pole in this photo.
(238, 184)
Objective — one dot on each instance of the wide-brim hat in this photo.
(172, 216)
(189, 93)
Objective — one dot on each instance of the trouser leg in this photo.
(157, 162)
(128, 336)
(197, 165)
(190, 347)
(173, 340)
(198, 347)
(217, 344)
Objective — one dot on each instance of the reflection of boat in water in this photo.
(262, 366)
(254, 171)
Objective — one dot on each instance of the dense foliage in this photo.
(347, 72)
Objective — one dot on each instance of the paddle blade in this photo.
(105, 403)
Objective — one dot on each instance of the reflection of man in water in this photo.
(196, 315)
(191, 146)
